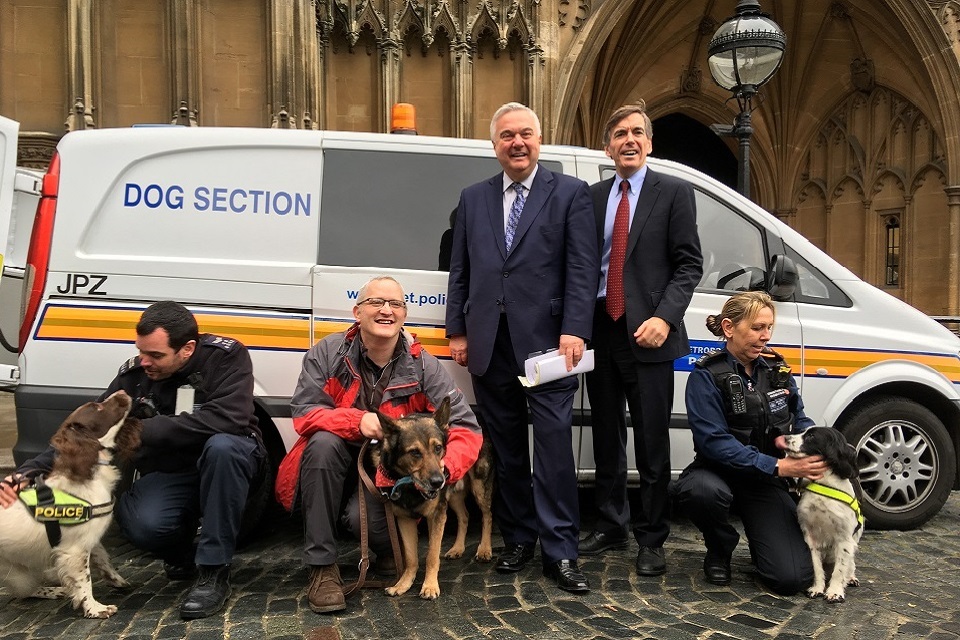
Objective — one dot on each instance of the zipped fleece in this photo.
(327, 391)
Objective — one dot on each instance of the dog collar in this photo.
(841, 496)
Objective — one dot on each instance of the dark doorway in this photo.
(682, 139)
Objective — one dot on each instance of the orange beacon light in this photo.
(403, 118)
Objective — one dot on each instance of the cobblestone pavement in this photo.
(910, 589)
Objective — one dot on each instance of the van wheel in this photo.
(906, 459)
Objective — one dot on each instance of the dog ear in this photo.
(77, 453)
(387, 424)
(847, 458)
(128, 440)
(442, 415)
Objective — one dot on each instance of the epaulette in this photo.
(210, 340)
(715, 354)
(129, 365)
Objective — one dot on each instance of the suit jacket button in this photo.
(506, 274)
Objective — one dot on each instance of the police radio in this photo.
(737, 399)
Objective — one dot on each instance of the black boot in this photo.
(209, 594)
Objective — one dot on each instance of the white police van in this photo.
(267, 236)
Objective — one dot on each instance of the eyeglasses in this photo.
(378, 303)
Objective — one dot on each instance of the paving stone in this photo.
(910, 589)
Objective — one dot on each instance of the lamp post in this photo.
(744, 53)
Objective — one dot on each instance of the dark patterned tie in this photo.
(514, 218)
(618, 253)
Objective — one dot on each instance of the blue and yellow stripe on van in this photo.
(831, 362)
(259, 331)
(291, 332)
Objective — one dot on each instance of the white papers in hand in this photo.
(550, 366)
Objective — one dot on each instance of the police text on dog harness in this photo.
(54, 508)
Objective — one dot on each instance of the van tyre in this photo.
(906, 458)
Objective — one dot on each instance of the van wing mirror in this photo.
(781, 277)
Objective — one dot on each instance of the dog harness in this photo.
(841, 496)
(54, 508)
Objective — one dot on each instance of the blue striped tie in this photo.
(514, 219)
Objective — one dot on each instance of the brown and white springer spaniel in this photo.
(86, 444)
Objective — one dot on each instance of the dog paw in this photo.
(454, 552)
(853, 582)
(430, 592)
(97, 610)
(48, 593)
(396, 590)
(834, 598)
(118, 583)
(814, 593)
(483, 555)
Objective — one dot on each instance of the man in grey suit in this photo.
(646, 229)
(523, 279)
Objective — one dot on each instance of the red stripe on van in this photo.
(38, 255)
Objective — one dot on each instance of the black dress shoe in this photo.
(208, 595)
(651, 561)
(514, 557)
(716, 569)
(598, 542)
(568, 576)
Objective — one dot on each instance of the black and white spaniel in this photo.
(829, 510)
(48, 543)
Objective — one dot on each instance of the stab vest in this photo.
(764, 411)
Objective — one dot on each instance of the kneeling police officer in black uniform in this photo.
(201, 451)
(740, 401)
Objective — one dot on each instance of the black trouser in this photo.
(769, 516)
(647, 388)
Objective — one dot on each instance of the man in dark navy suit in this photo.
(523, 279)
(646, 283)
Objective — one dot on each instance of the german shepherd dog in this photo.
(413, 447)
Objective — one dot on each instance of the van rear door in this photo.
(9, 130)
(9, 302)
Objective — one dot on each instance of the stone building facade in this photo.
(856, 139)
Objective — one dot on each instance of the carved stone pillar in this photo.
(308, 63)
(461, 66)
(324, 27)
(281, 98)
(389, 79)
(184, 19)
(80, 70)
(953, 271)
(536, 81)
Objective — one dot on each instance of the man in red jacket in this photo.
(373, 366)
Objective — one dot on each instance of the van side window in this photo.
(382, 209)
(813, 287)
(733, 249)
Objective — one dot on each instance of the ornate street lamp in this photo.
(744, 54)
